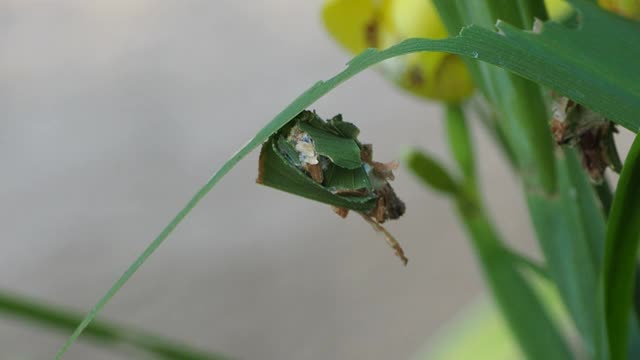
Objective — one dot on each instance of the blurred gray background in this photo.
(115, 112)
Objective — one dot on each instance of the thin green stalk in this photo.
(460, 145)
(62, 319)
(460, 142)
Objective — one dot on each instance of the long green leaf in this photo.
(541, 58)
(570, 230)
(431, 172)
(623, 236)
(58, 318)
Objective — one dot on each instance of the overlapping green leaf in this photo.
(279, 174)
(623, 237)
(570, 230)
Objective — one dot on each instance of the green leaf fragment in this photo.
(346, 129)
(337, 178)
(431, 172)
(278, 173)
(343, 152)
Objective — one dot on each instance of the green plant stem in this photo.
(62, 319)
(459, 138)
(489, 120)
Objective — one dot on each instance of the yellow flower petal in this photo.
(445, 79)
(557, 8)
(351, 23)
(359, 24)
(416, 18)
(626, 8)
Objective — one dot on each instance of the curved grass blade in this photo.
(58, 318)
(538, 57)
(571, 229)
(623, 235)
(431, 172)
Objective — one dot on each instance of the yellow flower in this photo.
(557, 8)
(361, 24)
(627, 8)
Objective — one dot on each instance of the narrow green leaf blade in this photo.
(344, 179)
(106, 333)
(430, 172)
(570, 230)
(459, 139)
(623, 235)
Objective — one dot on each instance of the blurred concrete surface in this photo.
(115, 112)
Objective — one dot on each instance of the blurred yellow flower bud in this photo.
(627, 8)
(361, 24)
(557, 8)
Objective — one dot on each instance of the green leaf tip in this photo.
(430, 171)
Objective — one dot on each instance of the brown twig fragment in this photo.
(395, 245)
